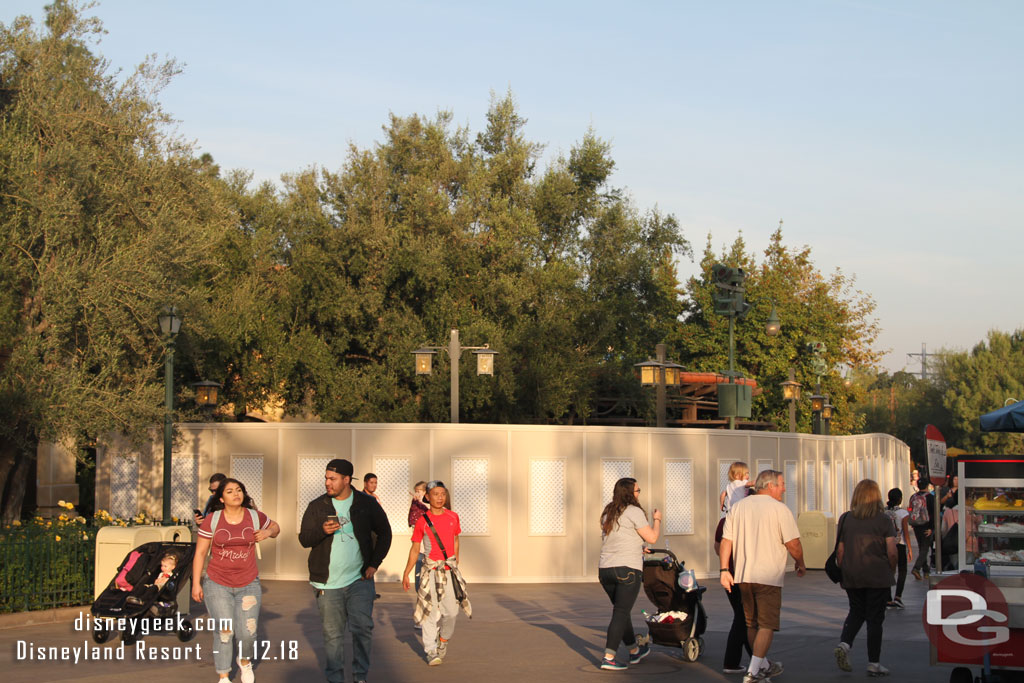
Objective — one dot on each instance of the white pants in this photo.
(441, 620)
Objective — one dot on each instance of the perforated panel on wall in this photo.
(393, 488)
(124, 485)
(184, 485)
(840, 487)
(611, 472)
(792, 486)
(762, 465)
(678, 497)
(826, 485)
(851, 481)
(860, 469)
(249, 471)
(810, 485)
(469, 493)
(310, 481)
(547, 497)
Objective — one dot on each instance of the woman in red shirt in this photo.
(231, 587)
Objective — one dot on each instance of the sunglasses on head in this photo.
(435, 484)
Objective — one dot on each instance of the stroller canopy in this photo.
(1007, 419)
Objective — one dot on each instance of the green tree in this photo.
(979, 381)
(105, 217)
(812, 307)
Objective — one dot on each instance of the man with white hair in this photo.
(760, 533)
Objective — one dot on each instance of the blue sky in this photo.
(886, 135)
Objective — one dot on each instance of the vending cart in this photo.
(990, 519)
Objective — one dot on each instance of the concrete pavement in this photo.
(538, 632)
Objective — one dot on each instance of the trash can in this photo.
(817, 536)
(113, 543)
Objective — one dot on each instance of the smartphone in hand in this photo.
(333, 519)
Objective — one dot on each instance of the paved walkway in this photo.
(536, 632)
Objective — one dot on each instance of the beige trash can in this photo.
(113, 543)
(817, 536)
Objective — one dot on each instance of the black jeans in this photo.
(737, 641)
(622, 584)
(866, 604)
(901, 569)
(924, 547)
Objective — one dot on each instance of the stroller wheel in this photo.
(101, 635)
(691, 649)
(186, 631)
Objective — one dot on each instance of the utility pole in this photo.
(924, 360)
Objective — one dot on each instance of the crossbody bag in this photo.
(460, 595)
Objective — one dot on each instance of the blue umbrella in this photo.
(1007, 419)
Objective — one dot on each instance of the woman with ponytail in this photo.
(624, 530)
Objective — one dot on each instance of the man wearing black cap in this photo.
(349, 536)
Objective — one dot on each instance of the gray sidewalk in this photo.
(539, 632)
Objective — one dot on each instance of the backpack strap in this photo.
(440, 545)
(253, 514)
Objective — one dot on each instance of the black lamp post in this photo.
(170, 324)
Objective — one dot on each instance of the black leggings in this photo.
(737, 641)
(622, 584)
(866, 605)
(924, 547)
(901, 568)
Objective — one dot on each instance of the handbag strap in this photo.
(839, 531)
(440, 545)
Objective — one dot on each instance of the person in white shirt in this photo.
(760, 534)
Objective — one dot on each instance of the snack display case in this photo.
(990, 515)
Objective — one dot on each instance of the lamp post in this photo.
(826, 416)
(170, 324)
(659, 373)
(791, 393)
(734, 399)
(484, 365)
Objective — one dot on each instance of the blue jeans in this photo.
(351, 606)
(242, 607)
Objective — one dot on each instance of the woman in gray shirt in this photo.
(624, 529)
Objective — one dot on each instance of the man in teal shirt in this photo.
(348, 535)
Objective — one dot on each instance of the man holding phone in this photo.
(349, 535)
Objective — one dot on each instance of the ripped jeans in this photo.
(242, 607)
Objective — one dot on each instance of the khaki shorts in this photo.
(761, 605)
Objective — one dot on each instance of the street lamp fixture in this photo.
(484, 365)
(826, 416)
(673, 372)
(659, 373)
(170, 325)
(424, 360)
(206, 393)
(791, 393)
(485, 360)
(774, 325)
(648, 372)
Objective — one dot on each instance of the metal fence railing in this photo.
(44, 568)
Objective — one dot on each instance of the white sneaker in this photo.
(247, 675)
(842, 654)
(876, 670)
(433, 659)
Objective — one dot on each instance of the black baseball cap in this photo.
(341, 466)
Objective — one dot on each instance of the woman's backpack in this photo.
(919, 509)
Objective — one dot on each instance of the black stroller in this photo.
(133, 596)
(661, 584)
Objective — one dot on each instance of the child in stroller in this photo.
(146, 585)
(688, 621)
